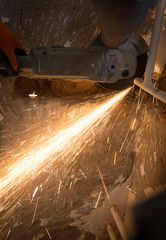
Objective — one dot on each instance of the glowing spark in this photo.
(138, 106)
(36, 189)
(105, 188)
(82, 173)
(59, 188)
(133, 124)
(32, 95)
(116, 120)
(22, 143)
(48, 233)
(74, 181)
(109, 147)
(8, 234)
(139, 101)
(70, 185)
(35, 211)
(115, 158)
(124, 141)
(139, 149)
(68, 142)
(98, 199)
(131, 190)
(145, 115)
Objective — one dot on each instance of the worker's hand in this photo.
(8, 44)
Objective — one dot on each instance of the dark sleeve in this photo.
(149, 218)
(119, 18)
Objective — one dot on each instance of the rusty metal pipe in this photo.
(161, 95)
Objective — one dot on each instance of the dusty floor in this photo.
(131, 161)
(49, 23)
(129, 150)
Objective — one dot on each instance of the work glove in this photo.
(9, 44)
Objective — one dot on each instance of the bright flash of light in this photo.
(157, 69)
(59, 150)
(32, 95)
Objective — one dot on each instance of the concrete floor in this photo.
(50, 23)
(71, 214)
(140, 153)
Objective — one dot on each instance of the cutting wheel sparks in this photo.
(66, 143)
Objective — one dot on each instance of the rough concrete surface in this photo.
(49, 23)
(129, 149)
(133, 131)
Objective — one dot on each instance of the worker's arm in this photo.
(8, 44)
(119, 18)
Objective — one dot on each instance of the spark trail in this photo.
(67, 143)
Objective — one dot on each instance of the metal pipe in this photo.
(119, 222)
(147, 83)
(154, 42)
(152, 90)
(111, 233)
